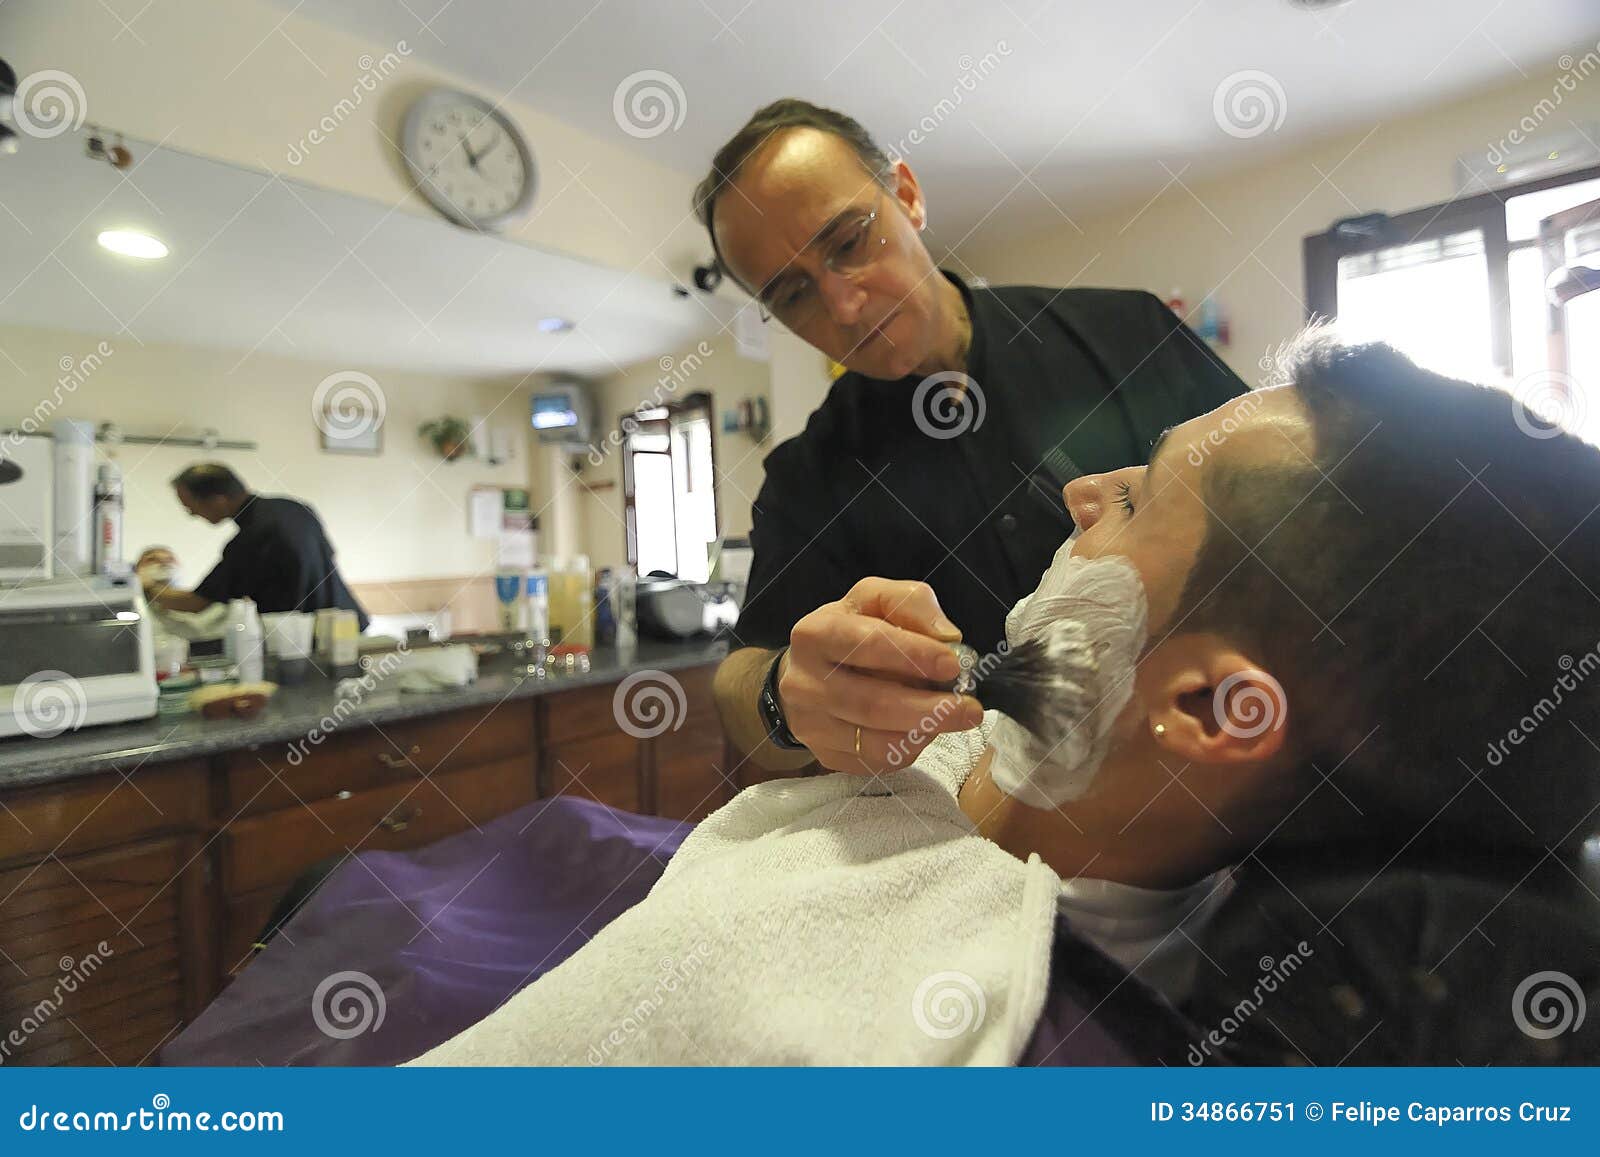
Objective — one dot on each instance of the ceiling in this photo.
(259, 263)
(1048, 108)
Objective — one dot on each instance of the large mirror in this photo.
(192, 310)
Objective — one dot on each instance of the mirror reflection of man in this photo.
(923, 498)
(280, 558)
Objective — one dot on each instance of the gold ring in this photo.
(858, 741)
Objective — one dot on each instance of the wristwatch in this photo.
(772, 711)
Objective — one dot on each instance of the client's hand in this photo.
(846, 681)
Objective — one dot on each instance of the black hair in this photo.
(210, 480)
(788, 113)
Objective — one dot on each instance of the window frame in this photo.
(1485, 212)
(700, 399)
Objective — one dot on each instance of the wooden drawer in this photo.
(606, 768)
(69, 1000)
(270, 777)
(275, 847)
(591, 711)
(99, 811)
(689, 772)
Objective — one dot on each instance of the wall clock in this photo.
(468, 159)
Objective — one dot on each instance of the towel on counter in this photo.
(833, 920)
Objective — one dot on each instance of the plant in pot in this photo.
(450, 436)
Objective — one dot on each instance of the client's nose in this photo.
(1082, 496)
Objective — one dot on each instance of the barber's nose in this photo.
(841, 297)
(1082, 496)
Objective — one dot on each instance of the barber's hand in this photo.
(854, 664)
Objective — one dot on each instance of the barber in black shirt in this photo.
(280, 558)
(925, 496)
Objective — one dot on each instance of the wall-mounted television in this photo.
(562, 414)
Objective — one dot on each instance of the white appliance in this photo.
(73, 507)
(25, 505)
(78, 652)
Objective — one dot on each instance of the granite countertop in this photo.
(295, 710)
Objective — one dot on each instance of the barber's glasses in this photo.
(795, 299)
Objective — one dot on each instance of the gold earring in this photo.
(1160, 729)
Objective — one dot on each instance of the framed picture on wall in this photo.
(347, 428)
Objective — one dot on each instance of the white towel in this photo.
(831, 920)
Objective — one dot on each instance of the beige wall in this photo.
(399, 515)
(1239, 236)
(233, 81)
(716, 367)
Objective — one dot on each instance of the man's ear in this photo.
(909, 193)
(1207, 703)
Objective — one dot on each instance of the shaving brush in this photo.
(1048, 684)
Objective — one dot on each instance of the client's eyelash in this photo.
(1123, 499)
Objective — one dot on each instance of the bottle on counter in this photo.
(624, 607)
(242, 640)
(538, 606)
(605, 623)
(108, 519)
(581, 581)
(513, 607)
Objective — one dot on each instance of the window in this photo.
(669, 490)
(1466, 288)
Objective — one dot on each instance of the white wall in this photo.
(1240, 236)
(399, 515)
(246, 82)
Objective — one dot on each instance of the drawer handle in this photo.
(396, 762)
(397, 822)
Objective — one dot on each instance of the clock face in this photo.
(468, 159)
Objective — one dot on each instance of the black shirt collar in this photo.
(246, 512)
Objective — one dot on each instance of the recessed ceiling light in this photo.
(554, 325)
(132, 243)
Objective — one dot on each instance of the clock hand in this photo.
(466, 147)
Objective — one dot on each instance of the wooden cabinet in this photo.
(176, 868)
(95, 949)
(669, 760)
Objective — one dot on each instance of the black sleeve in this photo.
(796, 539)
(217, 586)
